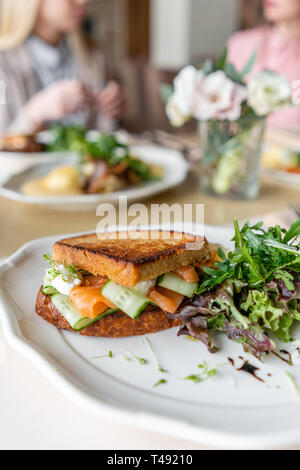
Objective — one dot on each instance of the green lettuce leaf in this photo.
(283, 331)
(261, 310)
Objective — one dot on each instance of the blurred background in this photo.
(100, 64)
(144, 43)
(150, 40)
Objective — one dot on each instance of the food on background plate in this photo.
(279, 158)
(21, 143)
(58, 139)
(105, 166)
(118, 285)
(62, 181)
(126, 287)
(63, 138)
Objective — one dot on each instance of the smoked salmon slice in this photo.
(187, 273)
(89, 301)
(166, 299)
(95, 281)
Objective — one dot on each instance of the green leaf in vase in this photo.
(222, 60)
(249, 65)
(208, 67)
(166, 91)
(233, 74)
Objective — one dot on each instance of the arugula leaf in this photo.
(259, 256)
(255, 276)
(286, 277)
(293, 232)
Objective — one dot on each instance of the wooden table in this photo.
(21, 223)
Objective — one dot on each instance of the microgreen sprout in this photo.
(206, 373)
(160, 382)
(105, 356)
(297, 388)
(128, 359)
(141, 360)
(160, 368)
(55, 269)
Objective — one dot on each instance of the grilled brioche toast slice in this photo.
(132, 257)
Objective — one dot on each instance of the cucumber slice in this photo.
(127, 299)
(72, 315)
(172, 282)
(49, 290)
(86, 322)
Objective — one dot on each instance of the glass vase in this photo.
(230, 157)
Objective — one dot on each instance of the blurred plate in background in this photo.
(283, 178)
(281, 165)
(15, 162)
(175, 166)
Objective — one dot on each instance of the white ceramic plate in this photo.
(176, 169)
(231, 410)
(283, 178)
(15, 162)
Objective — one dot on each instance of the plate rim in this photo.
(55, 375)
(282, 177)
(30, 155)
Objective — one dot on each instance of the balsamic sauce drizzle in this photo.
(246, 367)
(286, 353)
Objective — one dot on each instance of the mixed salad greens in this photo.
(64, 137)
(103, 147)
(253, 294)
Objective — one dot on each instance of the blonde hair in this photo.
(17, 20)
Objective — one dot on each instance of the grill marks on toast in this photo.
(137, 255)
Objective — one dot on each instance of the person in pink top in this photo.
(278, 48)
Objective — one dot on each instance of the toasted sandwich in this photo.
(121, 284)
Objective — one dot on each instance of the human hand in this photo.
(60, 99)
(112, 101)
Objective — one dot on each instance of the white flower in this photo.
(184, 87)
(174, 114)
(179, 106)
(240, 94)
(218, 97)
(268, 91)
